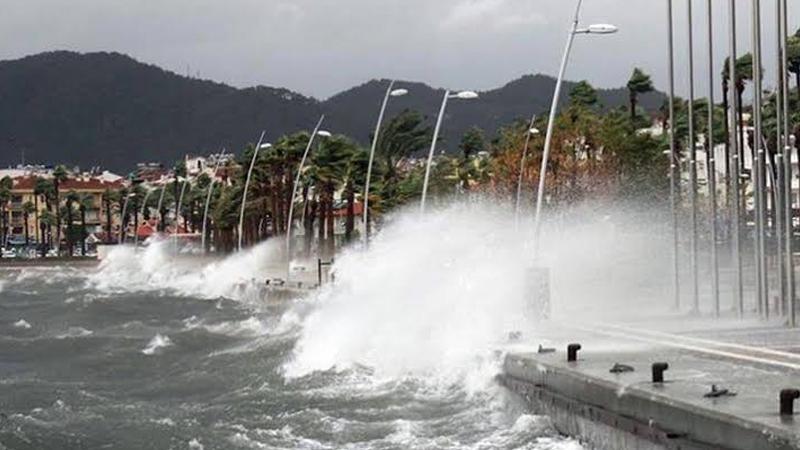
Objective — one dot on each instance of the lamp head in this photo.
(599, 28)
(466, 95)
(324, 133)
(399, 92)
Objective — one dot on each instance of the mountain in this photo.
(109, 110)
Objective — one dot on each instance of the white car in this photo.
(6, 253)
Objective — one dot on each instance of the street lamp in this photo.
(463, 95)
(121, 237)
(259, 146)
(317, 132)
(600, 29)
(390, 92)
(220, 157)
(529, 133)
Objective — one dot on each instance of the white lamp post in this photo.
(259, 146)
(592, 29)
(220, 157)
(529, 133)
(317, 132)
(463, 95)
(390, 92)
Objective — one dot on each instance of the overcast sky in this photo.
(320, 47)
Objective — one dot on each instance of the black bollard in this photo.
(788, 396)
(572, 352)
(658, 371)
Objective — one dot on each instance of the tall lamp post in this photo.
(317, 132)
(592, 29)
(259, 146)
(736, 255)
(390, 92)
(712, 165)
(787, 161)
(673, 160)
(463, 95)
(529, 133)
(220, 157)
(692, 142)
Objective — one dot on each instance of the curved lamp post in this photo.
(315, 133)
(463, 95)
(592, 29)
(259, 146)
(529, 133)
(208, 199)
(121, 238)
(390, 92)
(136, 227)
(177, 214)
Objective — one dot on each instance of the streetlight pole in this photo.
(780, 168)
(787, 161)
(529, 132)
(390, 92)
(574, 30)
(136, 227)
(247, 186)
(760, 178)
(296, 184)
(712, 165)
(674, 159)
(463, 95)
(736, 255)
(693, 167)
(208, 198)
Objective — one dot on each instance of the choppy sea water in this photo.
(147, 353)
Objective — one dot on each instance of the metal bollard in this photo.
(572, 352)
(658, 371)
(787, 397)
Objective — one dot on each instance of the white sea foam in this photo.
(154, 268)
(158, 342)
(22, 323)
(75, 332)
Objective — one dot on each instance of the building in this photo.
(87, 186)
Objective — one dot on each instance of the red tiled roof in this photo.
(28, 183)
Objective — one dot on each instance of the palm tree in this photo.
(85, 202)
(72, 199)
(46, 222)
(331, 161)
(59, 176)
(6, 183)
(41, 188)
(109, 198)
(355, 179)
(639, 83)
(27, 209)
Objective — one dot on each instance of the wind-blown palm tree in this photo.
(793, 58)
(59, 176)
(27, 209)
(85, 202)
(46, 222)
(6, 183)
(69, 208)
(639, 83)
(41, 188)
(331, 161)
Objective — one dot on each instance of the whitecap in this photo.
(22, 323)
(157, 343)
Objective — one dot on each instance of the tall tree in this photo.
(6, 183)
(583, 95)
(59, 176)
(85, 203)
(27, 209)
(639, 83)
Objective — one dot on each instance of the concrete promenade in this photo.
(753, 361)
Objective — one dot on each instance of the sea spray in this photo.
(434, 293)
(155, 268)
